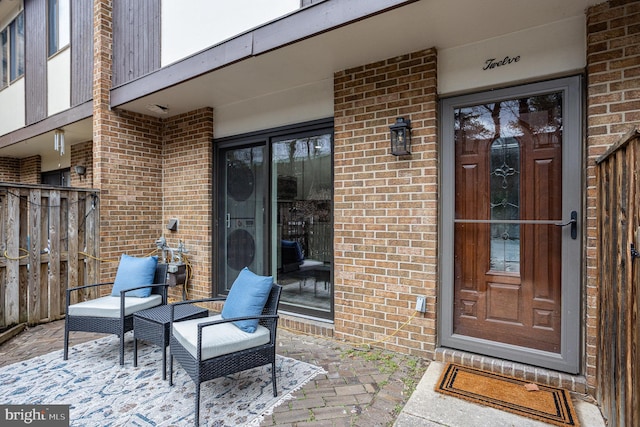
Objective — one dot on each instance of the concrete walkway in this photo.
(428, 408)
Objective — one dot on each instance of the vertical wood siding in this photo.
(618, 373)
(81, 51)
(35, 16)
(48, 243)
(136, 39)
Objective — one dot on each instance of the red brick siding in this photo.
(127, 162)
(131, 185)
(148, 171)
(30, 170)
(187, 191)
(613, 108)
(386, 211)
(9, 169)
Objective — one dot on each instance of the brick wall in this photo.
(187, 191)
(82, 155)
(127, 162)
(9, 169)
(130, 186)
(148, 171)
(385, 206)
(613, 108)
(30, 170)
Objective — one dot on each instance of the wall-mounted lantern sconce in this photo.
(80, 170)
(401, 137)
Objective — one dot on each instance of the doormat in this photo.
(544, 403)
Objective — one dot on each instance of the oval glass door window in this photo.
(239, 181)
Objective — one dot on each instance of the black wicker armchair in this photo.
(110, 314)
(213, 347)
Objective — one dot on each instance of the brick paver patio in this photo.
(361, 388)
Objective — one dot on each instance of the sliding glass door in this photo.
(275, 210)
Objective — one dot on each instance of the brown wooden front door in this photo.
(508, 161)
(511, 223)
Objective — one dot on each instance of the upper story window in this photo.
(59, 25)
(12, 51)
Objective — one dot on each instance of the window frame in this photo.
(12, 48)
(58, 37)
(268, 137)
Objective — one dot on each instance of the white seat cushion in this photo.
(110, 306)
(217, 339)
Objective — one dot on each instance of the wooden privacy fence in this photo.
(618, 375)
(49, 241)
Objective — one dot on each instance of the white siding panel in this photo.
(545, 51)
(204, 23)
(59, 82)
(12, 116)
(300, 104)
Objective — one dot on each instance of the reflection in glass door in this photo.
(243, 213)
(302, 212)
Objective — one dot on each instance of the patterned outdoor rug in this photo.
(549, 404)
(103, 393)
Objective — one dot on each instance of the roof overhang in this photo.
(310, 45)
(303, 48)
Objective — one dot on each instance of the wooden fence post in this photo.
(12, 286)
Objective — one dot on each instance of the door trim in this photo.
(568, 360)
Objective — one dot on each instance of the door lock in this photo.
(573, 222)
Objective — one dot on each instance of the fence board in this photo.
(43, 232)
(72, 244)
(24, 262)
(34, 247)
(618, 187)
(92, 233)
(12, 292)
(54, 248)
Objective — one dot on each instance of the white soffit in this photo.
(553, 49)
(444, 24)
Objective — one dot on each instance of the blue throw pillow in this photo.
(247, 297)
(134, 272)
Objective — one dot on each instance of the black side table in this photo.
(152, 325)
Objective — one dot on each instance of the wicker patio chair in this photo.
(214, 347)
(112, 314)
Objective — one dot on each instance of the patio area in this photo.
(360, 388)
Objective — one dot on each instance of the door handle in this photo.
(573, 222)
